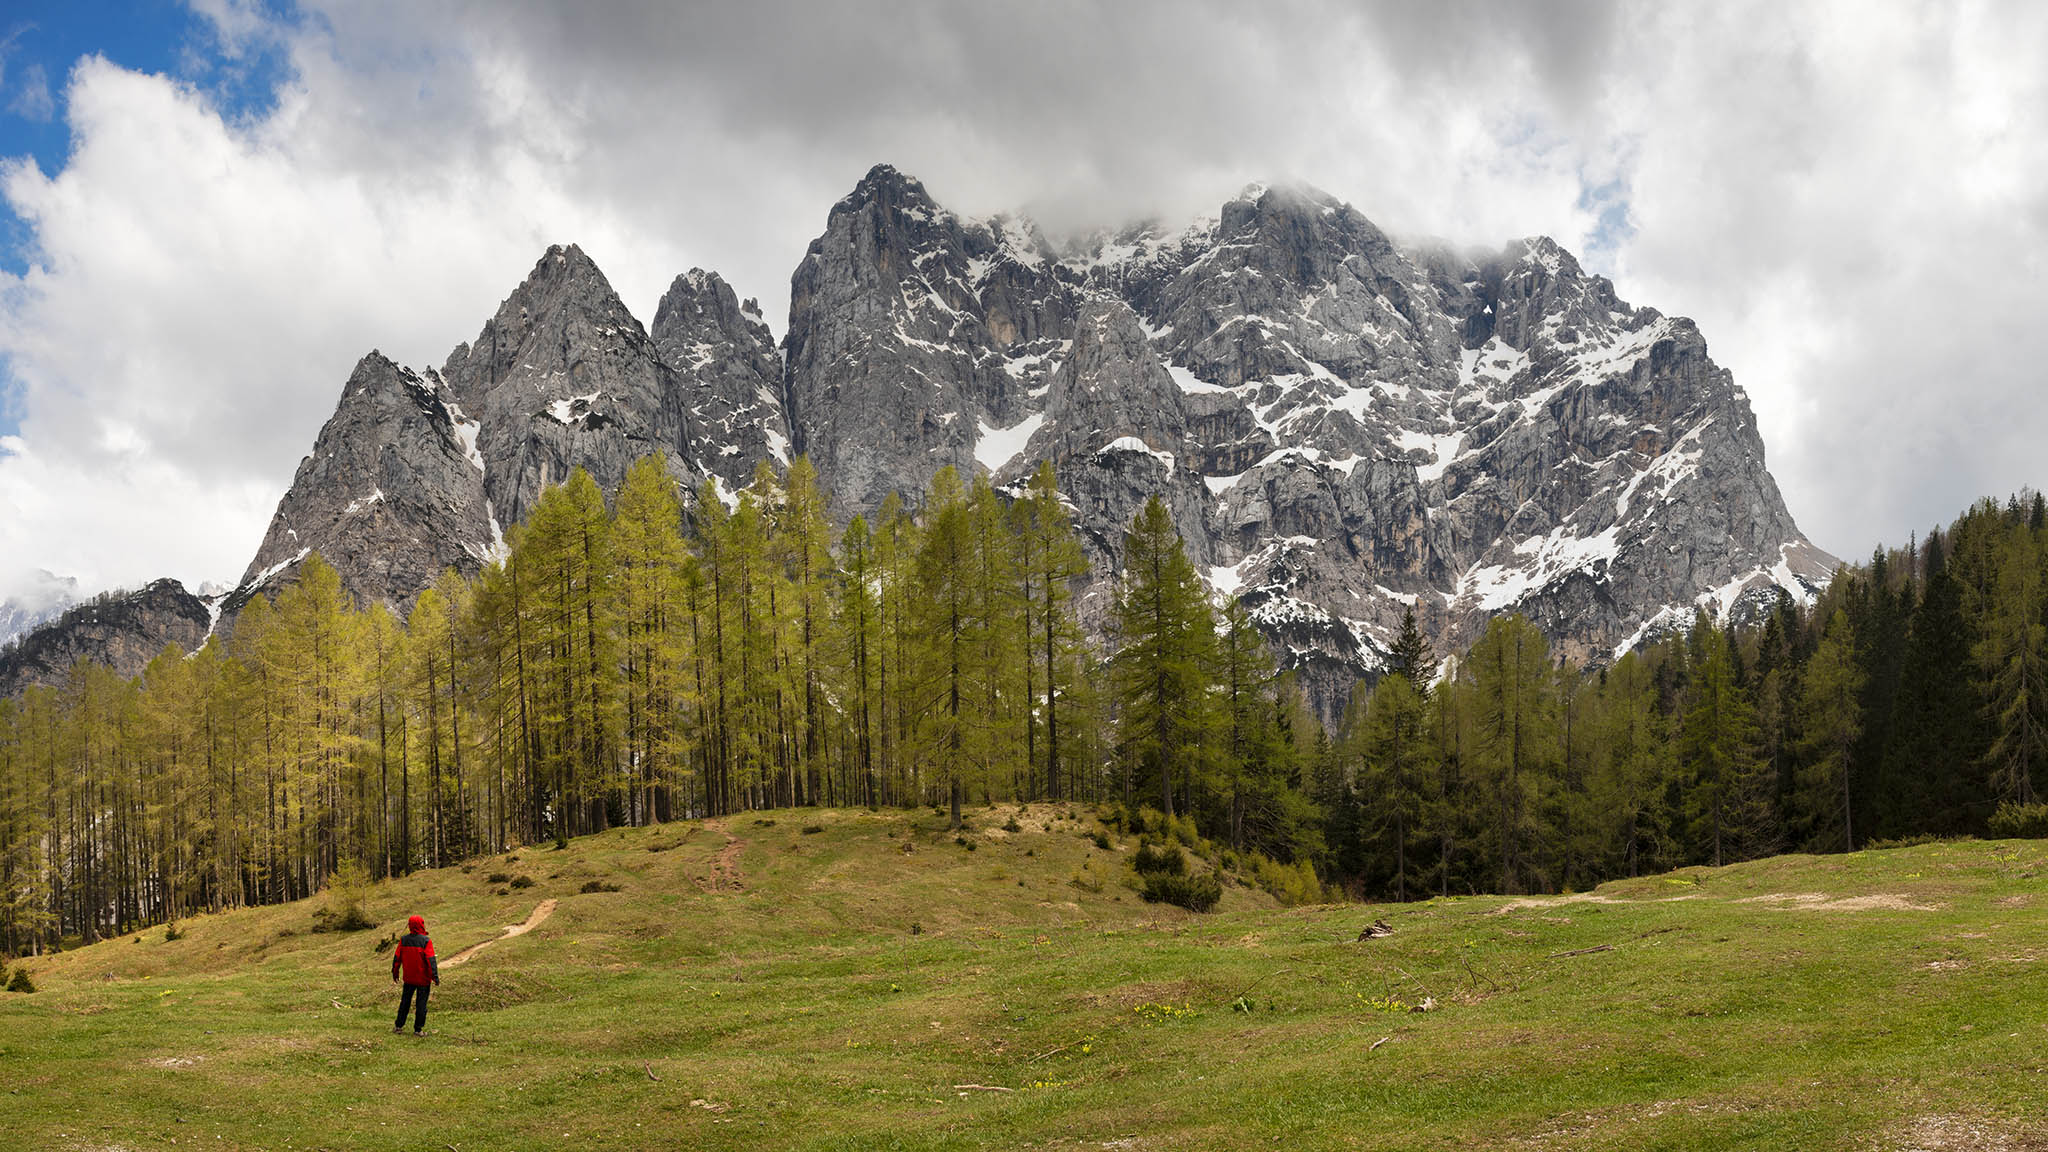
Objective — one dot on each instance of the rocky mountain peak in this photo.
(564, 376)
(1344, 428)
(728, 373)
(392, 493)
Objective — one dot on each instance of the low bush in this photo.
(522, 882)
(19, 981)
(1291, 884)
(2019, 822)
(1167, 860)
(813, 829)
(344, 909)
(498, 878)
(599, 886)
(1195, 893)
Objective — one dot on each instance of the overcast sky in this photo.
(213, 212)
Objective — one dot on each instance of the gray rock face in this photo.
(910, 331)
(43, 602)
(563, 376)
(1344, 429)
(124, 630)
(392, 494)
(729, 371)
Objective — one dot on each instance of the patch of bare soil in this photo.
(725, 870)
(1819, 902)
(541, 912)
(1956, 1133)
(1528, 902)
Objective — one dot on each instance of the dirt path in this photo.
(725, 870)
(540, 913)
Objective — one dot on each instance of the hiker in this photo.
(413, 960)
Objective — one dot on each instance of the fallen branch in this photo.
(1376, 1044)
(981, 1088)
(1052, 1051)
(1477, 975)
(650, 1073)
(1583, 951)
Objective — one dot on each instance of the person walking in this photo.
(413, 964)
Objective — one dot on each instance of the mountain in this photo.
(1345, 428)
(392, 493)
(43, 602)
(123, 630)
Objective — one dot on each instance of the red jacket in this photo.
(414, 957)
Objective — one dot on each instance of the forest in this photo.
(624, 663)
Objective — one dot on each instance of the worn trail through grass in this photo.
(869, 981)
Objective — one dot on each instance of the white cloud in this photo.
(32, 99)
(1848, 199)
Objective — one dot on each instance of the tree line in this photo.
(1909, 699)
(623, 663)
(626, 663)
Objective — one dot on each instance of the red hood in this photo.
(417, 924)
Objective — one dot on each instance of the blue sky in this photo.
(40, 42)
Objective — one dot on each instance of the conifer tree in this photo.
(647, 545)
(1050, 561)
(2013, 658)
(1516, 717)
(1830, 721)
(1729, 788)
(1396, 767)
(1166, 634)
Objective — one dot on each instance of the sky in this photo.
(211, 209)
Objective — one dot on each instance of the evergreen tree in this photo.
(1166, 634)
(1515, 713)
(2013, 657)
(1729, 786)
(1830, 721)
(1410, 658)
(1396, 769)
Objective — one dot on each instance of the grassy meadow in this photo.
(850, 979)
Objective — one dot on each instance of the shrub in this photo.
(1011, 825)
(1167, 860)
(19, 982)
(345, 892)
(1291, 884)
(170, 932)
(498, 878)
(1195, 893)
(1102, 841)
(522, 882)
(2019, 822)
(599, 886)
(813, 829)
(1086, 878)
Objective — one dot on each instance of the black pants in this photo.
(418, 1006)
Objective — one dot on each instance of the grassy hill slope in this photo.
(859, 980)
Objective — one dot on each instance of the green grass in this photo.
(1901, 1002)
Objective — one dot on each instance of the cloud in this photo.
(32, 98)
(1848, 200)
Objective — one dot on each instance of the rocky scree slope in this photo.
(1345, 429)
